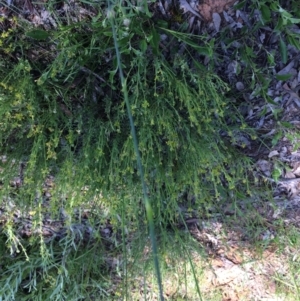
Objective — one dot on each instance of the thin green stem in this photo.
(146, 200)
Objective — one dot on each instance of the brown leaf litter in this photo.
(208, 7)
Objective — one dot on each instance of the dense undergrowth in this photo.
(63, 115)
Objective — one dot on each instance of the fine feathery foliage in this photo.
(63, 114)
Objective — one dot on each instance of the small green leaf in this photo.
(271, 59)
(250, 52)
(38, 34)
(143, 45)
(293, 41)
(154, 42)
(266, 13)
(204, 51)
(276, 112)
(294, 20)
(108, 33)
(274, 7)
(257, 90)
(124, 42)
(112, 73)
(276, 173)
(263, 112)
(162, 23)
(287, 125)
(43, 78)
(270, 100)
(240, 5)
(201, 49)
(284, 13)
(279, 26)
(283, 50)
(276, 138)
(283, 77)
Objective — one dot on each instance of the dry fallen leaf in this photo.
(240, 86)
(217, 21)
(208, 7)
(273, 153)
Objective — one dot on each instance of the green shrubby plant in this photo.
(63, 114)
(179, 109)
